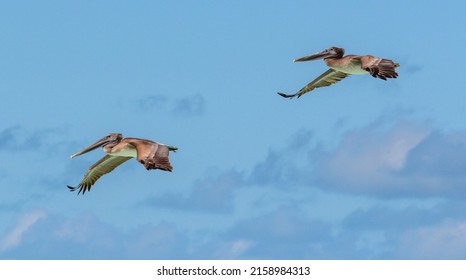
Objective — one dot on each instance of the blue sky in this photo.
(364, 169)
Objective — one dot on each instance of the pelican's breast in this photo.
(126, 151)
(353, 69)
(347, 65)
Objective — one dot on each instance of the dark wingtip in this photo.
(72, 189)
(285, 95)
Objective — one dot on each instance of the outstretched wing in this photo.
(379, 67)
(97, 170)
(328, 78)
(151, 154)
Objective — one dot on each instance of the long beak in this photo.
(315, 56)
(94, 146)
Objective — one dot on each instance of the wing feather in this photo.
(328, 78)
(105, 165)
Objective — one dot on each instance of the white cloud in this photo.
(443, 241)
(369, 157)
(406, 160)
(234, 249)
(14, 237)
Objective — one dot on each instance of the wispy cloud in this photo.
(382, 217)
(188, 106)
(14, 237)
(284, 167)
(164, 241)
(212, 194)
(84, 236)
(419, 230)
(234, 249)
(284, 233)
(18, 138)
(35, 157)
(23, 139)
(154, 101)
(446, 240)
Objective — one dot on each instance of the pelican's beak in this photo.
(94, 146)
(319, 55)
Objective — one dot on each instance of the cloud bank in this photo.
(412, 173)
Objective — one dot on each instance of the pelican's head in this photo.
(110, 140)
(332, 52)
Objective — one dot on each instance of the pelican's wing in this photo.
(379, 67)
(151, 154)
(97, 170)
(326, 79)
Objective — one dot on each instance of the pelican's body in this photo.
(341, 67)
(151, 154)
(345, 65)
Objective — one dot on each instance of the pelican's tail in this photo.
(383, 69)
(172, 148)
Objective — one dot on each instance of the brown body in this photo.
(341, 67)
(151, 154)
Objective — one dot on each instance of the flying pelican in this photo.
(151, 154)
(340, 67)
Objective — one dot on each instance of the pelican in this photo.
(341, 67)
(151, 154)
